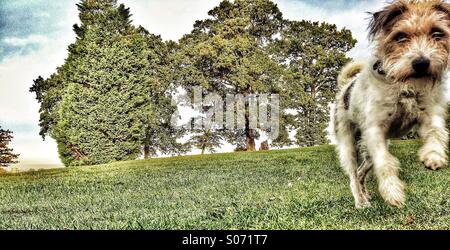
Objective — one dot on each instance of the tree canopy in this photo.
(226, 54)
(313, 54)
(110, 94)
(248, 48)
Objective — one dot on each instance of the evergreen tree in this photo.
(102, 104)
(104, 110)
(7, 157)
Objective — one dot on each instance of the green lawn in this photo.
(286, 189)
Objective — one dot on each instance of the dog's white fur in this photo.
(387, 98)
(375, 105)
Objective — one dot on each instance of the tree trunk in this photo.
(249, 132)
(251, 145)
(147, 152)
(203, 150)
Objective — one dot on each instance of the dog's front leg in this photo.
(386, 167)
(434, 134)
(348, 157)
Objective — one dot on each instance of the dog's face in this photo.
(412, 39)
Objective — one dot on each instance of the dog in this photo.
(399, 88)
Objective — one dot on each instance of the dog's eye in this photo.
(401, 37)
(437, 34)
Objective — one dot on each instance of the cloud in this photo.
(28, 55)
(18, 107)
(25, 25)
(351, 16)
(21, 42)
(16, 77)
(169, 18)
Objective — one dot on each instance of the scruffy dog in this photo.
(401, 87)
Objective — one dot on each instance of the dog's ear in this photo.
(384, 20)
(444, 8)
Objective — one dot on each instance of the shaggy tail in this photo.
(349, 72)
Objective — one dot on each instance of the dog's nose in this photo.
(421, 65)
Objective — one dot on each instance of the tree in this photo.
(313, 54)
(160, 136)
(206, 140)
(102, 104)
(226, 54)
(107, 103)
(7, 157)
(49, 92)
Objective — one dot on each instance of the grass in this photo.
(285, 189)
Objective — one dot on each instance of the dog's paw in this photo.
(433, 160)
(363, 204)
(362, 201)
(392, 191)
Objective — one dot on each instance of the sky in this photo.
(35, 34)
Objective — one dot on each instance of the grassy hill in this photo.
(286, 189)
